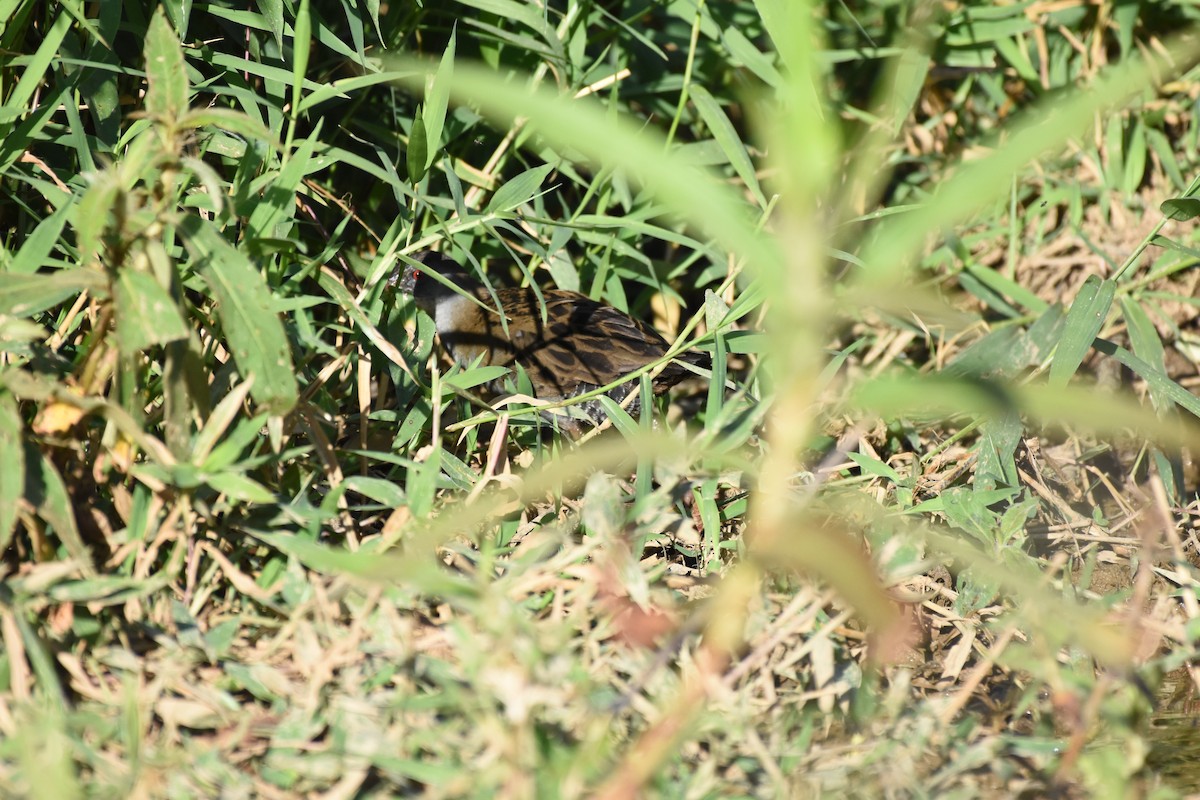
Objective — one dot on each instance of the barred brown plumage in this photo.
(581, 344)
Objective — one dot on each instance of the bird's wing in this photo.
(582, 343)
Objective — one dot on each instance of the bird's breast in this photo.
(469, 333)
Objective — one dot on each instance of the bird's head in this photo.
(423, 285)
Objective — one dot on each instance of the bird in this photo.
(580, 345)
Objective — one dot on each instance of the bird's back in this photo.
(581, 344)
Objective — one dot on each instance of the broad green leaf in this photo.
(416, 156)
(146, 314)
(1045, 332)
(166, 77)
(968, 510)
(1181, 209)
(437, 98)
(253, 330)
(997, 447)
(279, 198)
(272, 11)
(474, 377)
(180, 12)
(1085, 318)
(1003, 352)
(873, 466)
(519, 190)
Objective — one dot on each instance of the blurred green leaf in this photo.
(228, 120)
(26, 295)
(146, 314)
(912, 68)
(1114, 151)
(167, 89)
(744, 52)
(603, 507)
(12, 466)
(93, 212)
(180, 12)
(240, 487)
(1039, 130)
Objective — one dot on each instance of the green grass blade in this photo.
(1084, 320)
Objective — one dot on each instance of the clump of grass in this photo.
(916, 537)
